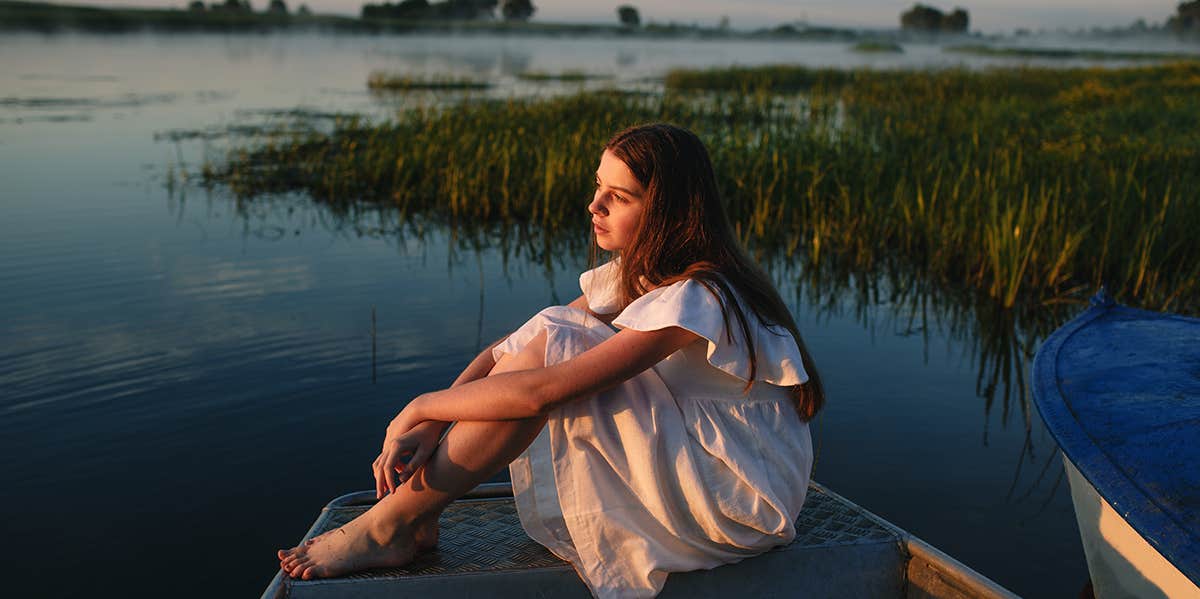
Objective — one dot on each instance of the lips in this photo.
(598, 229)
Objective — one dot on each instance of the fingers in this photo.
(418, 460)
(375, 473)
(389, 469)
(383, 475)
(385, 472)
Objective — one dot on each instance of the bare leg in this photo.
(391, 532)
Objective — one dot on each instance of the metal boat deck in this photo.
(841, 550)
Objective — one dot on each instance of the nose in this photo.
(596, 206)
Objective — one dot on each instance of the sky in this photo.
(988, 16)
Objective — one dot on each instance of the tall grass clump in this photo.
(1032, 186)
(514, 161)
(1029, 184)
(379, 81)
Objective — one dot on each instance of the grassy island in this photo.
(1069, 53)
(878, 47)
(1032, 186)
(379, 81)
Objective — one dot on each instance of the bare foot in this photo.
(426, 535)
(360, 544)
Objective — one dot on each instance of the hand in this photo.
(418, 442)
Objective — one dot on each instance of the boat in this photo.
(1119, 390)
(840, 550)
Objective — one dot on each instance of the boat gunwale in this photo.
(951, 573)
(1127, 498)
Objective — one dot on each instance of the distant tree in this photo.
(921, 18)
(628, 15)
(485, 8)
(1186, 18)
(956, 22)
(929, 19)
(196, 6)
(304, 11)
(462, 9)
(238, 6)
(723, 24)
(277, 7)
(517, 10)
(407, 9)
(422, 9)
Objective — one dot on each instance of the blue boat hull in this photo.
(1119, 388)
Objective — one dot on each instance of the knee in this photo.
(533, 355)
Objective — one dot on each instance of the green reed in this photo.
(880, 47)
(381, 81)
(567, 76)
(1032, 186)
(1068, 53)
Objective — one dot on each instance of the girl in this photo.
(656, 424)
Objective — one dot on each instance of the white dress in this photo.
(675, 469)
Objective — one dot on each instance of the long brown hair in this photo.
(685, 233)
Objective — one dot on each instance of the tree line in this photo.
(510, 10)
(274, 7)
(931, 20)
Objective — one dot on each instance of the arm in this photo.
(484, 362)
(528, 393)
(477, 369)
(422, 438)
(417, 435)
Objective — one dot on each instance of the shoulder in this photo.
(689, 303)
(600, 288)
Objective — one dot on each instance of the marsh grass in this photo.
(1067, 53)
(568, 76)
(878, 47)
(380, 81)
(1029, 186)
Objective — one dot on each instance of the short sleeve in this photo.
(690, 305)
(599, 286)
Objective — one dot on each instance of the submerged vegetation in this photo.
(1031, 186)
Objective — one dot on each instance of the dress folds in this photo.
(678, 468)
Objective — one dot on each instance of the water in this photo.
(185, 379)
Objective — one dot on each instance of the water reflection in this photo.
(464, 58)
(1011, 472)
(890, 299)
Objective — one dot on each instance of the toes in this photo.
(313, 571)
(298, 568)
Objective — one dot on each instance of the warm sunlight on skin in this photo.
(616, 205)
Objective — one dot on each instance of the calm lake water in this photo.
(185, 380)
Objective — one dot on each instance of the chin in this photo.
(608, 246)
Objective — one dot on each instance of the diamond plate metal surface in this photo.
(486, 535)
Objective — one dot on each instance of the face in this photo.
(617, 204)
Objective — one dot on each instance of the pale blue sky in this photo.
(986, 15)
